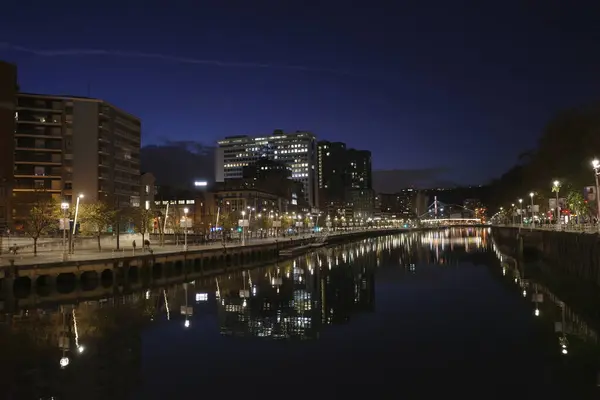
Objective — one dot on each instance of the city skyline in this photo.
(423, 95)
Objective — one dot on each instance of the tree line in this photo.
(93, 219)
(564, 152)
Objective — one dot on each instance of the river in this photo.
(415, 315)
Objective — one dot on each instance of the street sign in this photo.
(244, 222)
(276, 224)
(589, 193)
(64, 224)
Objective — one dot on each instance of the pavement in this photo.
(54, 253)
(573, 228)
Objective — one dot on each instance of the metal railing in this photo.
(574, 228)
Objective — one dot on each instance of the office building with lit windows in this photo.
(298, 151)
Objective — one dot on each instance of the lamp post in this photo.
(532, 221)
(185, 212)
(243, 228)
(64, 206)
(556, 189)
(521, 212)
(75, 219)
(512, 213)
(596, 166)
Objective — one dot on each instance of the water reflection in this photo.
(561, 319)
(295, 299)
(93, 346)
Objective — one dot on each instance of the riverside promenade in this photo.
(50, 251)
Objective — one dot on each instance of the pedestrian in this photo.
(133, 245)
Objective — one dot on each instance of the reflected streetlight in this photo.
(64, 362)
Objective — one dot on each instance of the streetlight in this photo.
(521, 211)
(64, 206)
(596, 166)
(243, 228)
(80, 196)
(532, 222)
(185, 212)
(512, 213)
(556, 189)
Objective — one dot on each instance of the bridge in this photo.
(452, 221)
(442, 214)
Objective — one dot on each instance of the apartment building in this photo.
(65, 146)
(297, 150)
(8, 98)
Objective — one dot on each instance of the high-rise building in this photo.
(333, 179)
(345, 181)
(360, 197)
(67, 145)
(8, 99)
(359, 169)
(297, 150)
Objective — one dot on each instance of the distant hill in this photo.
(392, 181)
(179, 163)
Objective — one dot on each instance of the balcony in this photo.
(38, 144)
(127, 168)
(54, 173)
(40, 158)
(43, 119)
(37, 131)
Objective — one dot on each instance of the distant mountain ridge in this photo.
(392, 181)
(179, 163)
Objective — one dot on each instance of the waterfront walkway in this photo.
(574, 228)
(53, 253)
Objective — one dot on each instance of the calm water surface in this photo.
(416, 315)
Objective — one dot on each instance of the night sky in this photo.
(461, 87)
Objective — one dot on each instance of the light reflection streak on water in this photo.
(303, 270)
(548, 305)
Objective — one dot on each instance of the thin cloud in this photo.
(163, 57)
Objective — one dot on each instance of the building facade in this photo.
(66, 146)
(345, 181)
(298, 151)
(8, 99)
(333, 177)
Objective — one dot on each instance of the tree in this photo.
(96, 217)
(576, 203)
(43, 216)
(142, 221)
(228, 220)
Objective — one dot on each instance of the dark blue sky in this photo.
(464, 86)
